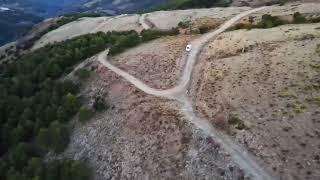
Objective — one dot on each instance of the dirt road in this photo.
(143, 21)
(239, 154)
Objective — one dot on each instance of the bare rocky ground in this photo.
(158, 63)
(142, 137)
(262, 87)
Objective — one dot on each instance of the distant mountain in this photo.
(47, 8)
(16, 16)
(14, 23)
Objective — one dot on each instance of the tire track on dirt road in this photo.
(106, 20)
(238, 153)
(146, 24)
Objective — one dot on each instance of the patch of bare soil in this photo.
(262, 87)
(158, 63)
(142, 137)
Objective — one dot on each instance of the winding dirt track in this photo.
(143, 21)
(239, 154)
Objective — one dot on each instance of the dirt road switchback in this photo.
(239, 154)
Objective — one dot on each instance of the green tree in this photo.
(83, 73)
(70, 103)
(61, 114)
(85, 113)
(59, 137)
(43, 137)
(34, 169)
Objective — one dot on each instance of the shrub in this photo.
(83, 73)
(269, 21)
(243, 26)
(204, 29)
(148, 35)
(183, 25)
(236, 121)
(299, 19)
(99, 103)
(315, 20)
(85, 113)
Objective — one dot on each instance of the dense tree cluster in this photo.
(187, 4)
(35, 105)
(125, 41)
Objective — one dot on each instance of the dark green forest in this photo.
(188, 4)
(35, 106)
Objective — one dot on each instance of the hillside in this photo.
(120, 97)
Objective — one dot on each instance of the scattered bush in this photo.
(99, 103)
(148, 35)
(314, 100)
(85, 113)
(316, 66)
(269, 21)
(236, 122)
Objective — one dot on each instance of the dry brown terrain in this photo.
(142, 137)
(262, 86)
(158, 63)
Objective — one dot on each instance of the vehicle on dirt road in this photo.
(188, 48)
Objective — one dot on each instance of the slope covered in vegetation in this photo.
(36, 106)
(188, 4)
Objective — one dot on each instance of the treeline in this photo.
(35, 106)
(188, 4)
(27, 40)
(269, 21)
(132, 39)
(67, 18)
